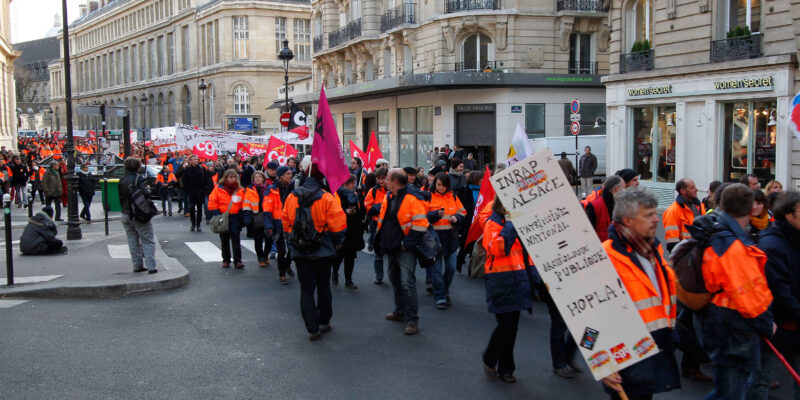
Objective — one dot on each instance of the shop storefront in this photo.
(712, 126)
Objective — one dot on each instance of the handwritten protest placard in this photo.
(572, 262)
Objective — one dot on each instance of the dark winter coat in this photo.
(20, 173)
(39, 236)
(51, 183)
(587, 165)
(354, 236)
(196, 181)
(124, 190)
(781, 243)
(86, 183)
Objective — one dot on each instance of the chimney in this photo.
(83, 9)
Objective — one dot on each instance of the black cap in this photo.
(627, 174)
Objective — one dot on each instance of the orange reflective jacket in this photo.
(452, 206)
(675, 219)
(251, 200)
(219, 200)
(485, 213)
(326, 212)
(497, 260)
(374, 196)
(739, 274)
(271, 203)
(412, 214)
(657, 311)
(170, 178)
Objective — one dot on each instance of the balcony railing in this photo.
(471, 66)
(583, 67)
(400, 15)
(468, 5)
(582, 6)
(738, 48)
(346, 33)
(637, 61)
(318, 43)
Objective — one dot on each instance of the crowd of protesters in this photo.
(420, 217)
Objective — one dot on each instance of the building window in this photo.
(749, 135)
(186, 102)
(348, 133)
(742, 13)
(170, 54)
(241, 100)
(152, 58)
(477, 53)
(142, 62)
(160, 59)
(240, 38)
(383, 134)
(639, 19)
(654, 143)
(212, 109)
(534, 120)
(590, 113)
(581, 54)
(302, 39)
(185, 62)
(280, 33)
(416, 135)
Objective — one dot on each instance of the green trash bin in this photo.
(111, 194)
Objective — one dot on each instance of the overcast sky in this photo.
(31, 19)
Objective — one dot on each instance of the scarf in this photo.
(260, 188)
(230, 187)
(638, 244)
(760, 222)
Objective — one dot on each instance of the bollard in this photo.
(29, 189)
(105, 201)
(9, 249)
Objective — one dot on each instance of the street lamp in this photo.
(286, 55)
(143, 102)
(73, 224)
(202, 86)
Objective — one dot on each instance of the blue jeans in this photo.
(441, 282)
(404, 283)
(141, 242)
(760, 381)
(730, 383)
(166, 199)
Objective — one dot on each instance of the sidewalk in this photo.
(19, 216)
(97, 266)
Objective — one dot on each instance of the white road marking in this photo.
(207, 251)
(249, 245)
(11, 303)
(30, 279)
(119, 251)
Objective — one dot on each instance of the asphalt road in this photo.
(237, 334)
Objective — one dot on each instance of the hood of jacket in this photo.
(310, 191)
(43, 220)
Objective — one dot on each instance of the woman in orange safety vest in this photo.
(446, 214)
(228, 196)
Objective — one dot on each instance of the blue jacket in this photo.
(781, 243)
(507, 275)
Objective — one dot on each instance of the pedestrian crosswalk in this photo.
(210, 252)
(31, 279)
(11, 303)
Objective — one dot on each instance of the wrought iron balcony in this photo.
(737, 48)
(318, 43)
(472, 66)
(346, 33)
(637, 61)
(468, 5)
(583, 67)
(582, 6)
(400, 15)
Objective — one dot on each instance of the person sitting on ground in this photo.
(39, 236)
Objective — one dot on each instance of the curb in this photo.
(22, 225)
(177, 277)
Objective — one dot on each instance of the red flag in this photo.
(326, 150)
(298, 122)
(356, 152)
(373, 152)
(278, 151)
(205, 150)
(243, 150)
(250, 149)
(486, 195)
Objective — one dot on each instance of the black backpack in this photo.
(141, 208)
(686, 260)
(304, 238)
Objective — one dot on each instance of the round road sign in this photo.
(575, 127)
(575, 106)
(285, 119)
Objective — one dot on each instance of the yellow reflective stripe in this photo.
(673, 240)
(419, 228)
(647, 303)
(417, 216)
(461, 212)
(685, 235)
(660, 323)
(671, 228)
(442, 227)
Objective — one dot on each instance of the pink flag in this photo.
(326, 150)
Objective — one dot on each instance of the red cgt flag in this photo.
(486, 195)
(356, 152)
(205, 150)
(278, 151)
(373, 152)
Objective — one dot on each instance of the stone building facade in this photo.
(8, 104)
(152, 55)
(32, 80)
(710, 98)
(424, 73)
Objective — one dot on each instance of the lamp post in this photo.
(202, 86)
(286, 55)
(73, 223)
(143, 102)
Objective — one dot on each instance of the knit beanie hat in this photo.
(627, 174)
(281, 171)
(48, 210)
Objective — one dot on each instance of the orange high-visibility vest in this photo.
(374, 196)
(451, 205)
(220, 198)
(675, 219)
(412, 214)
(326, 212)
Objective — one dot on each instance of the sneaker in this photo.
(314, 336)
(63, 250)
(273, 255)
(411, 328)
(325, 328)
(378, 281)
(564, 372)
(164, 212)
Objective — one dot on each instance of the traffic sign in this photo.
(575, 127)
(575, 117)
(575, 106)
(285, 119)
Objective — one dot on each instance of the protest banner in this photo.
(205, 151)
(570, 259)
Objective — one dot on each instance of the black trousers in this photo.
(499, 352)
(259, 241)
(196, 208)
(349, 263)
(315, 276)
(87, 204)
(56, 206)
(284, 262)
(232, 237)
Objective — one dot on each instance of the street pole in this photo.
(9, 249)
(126, 135)
(103, 127)
(286, 55)
(73, 223)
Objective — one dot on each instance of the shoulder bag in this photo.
(220, 224)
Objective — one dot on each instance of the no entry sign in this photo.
(285, 119)
(575, 127)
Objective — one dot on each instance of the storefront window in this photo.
(749, 130)
(654, 143)
(590, 113)
(407, 149)
(534, 120)
(348, 133)
(383, 134)
(416, 135)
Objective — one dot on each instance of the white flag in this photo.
(520, 146)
